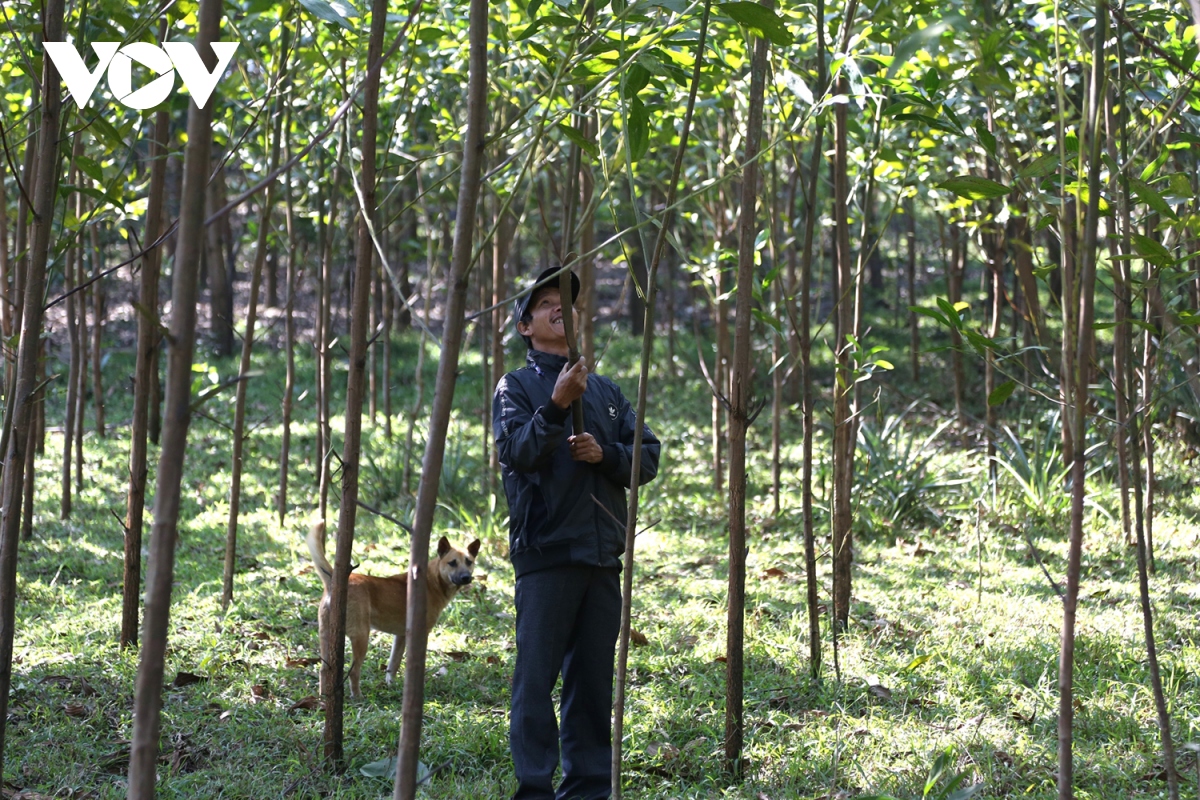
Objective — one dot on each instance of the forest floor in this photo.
(952, 646)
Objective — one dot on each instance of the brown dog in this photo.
(382, 603)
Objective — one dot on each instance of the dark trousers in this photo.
(568, 619)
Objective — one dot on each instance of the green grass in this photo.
(967, 596)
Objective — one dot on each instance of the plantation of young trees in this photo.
(909, 291)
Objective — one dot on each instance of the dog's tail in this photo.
(316, 549)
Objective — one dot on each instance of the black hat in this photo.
(549, 278)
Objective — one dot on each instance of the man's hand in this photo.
(570, 385)
(584, 447)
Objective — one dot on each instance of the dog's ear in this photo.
(443, 546)
(473, 548)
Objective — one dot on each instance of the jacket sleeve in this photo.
(617, 464)
(526, 437)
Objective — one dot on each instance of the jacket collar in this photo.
(545, 363)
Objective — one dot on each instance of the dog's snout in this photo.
(463, 580)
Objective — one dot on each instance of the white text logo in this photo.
(163, 61)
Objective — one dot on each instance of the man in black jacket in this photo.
(566, 504)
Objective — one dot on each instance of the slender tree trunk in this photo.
(5, 293)
(843, 427)
(147, 363)
(161, 563)
(914, 334)
(98, 309)
(29, 172)
(957, 266)
(81, 377)
(44, 192)
(239, 409)
(739, 418)
(639, 424)
(720, 373)
(289, 336)
(431, 469)
(389, 318)
(221, 292)
(72, 340)
(324, 364)
(373, 348)
(335, 644)
(1082, 364)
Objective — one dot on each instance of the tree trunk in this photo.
(720, 371)
(843, 426)
(389, 318)
(1082, 365)
(335, 644)
(221, 292)
(324, 364)
(161, 563)
(956, 267)
(98, 308)
(44, 193)
(289, 322)
(239, 409)
(739, 418)
(147, 363)
(639, 423)
(431, 469)
(72, 340)
(914, 333)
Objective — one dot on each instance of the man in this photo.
(566, 503)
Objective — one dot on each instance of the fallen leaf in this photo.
(493, 660)
(305, 569)
(301, 662)
(262, 635)
(882, 692)
(638, 638)
(687, 642)
(457, 655)
(258, 693)
(308, 703)
(225, 715)
(721, 659)
(443, 672)
(761, 796)
(667, 750)
(75, 709)
(187, 679)
(774, 572)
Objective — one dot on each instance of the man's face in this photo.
(546, 328)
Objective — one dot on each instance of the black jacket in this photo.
(553, 519)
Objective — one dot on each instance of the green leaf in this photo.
(585, 144)
(761, 19)
(639, 130)
(918, 661)
(929, 312)
(1042, 165)
(1150, 197)
(90, 168)
(987, 139)
(921, 40)
(974, 188)
(636, 80)
(767, 319)
(883, 363)
(530, 29)
(931, 82)
(324, 9)
(1001, 393)
(1152, 251)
